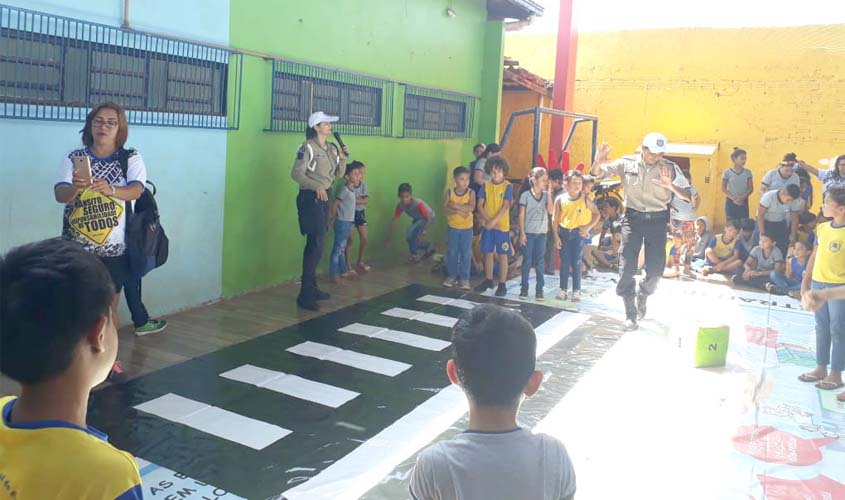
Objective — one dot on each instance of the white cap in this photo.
(320, 117)
(656, 142)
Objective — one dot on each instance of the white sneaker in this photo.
(450, 282)
(562, 295)
(465, 285)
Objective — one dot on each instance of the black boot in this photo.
(630, 314)
(308, 303)
(641, 305)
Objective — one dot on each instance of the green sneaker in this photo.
(151, 326)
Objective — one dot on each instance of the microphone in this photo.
(340, 142)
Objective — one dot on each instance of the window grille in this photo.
(438, 114)
(57, 68)
(363, 103)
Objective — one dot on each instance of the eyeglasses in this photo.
(100, 123)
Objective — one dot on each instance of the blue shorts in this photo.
(495, 241)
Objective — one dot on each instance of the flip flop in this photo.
(808, 377)
(829, 386)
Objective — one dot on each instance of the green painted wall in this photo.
(411, 41)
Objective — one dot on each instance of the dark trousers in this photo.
(779, 232)
(638, 229)
(313, 220)
(734, 211)
(571, 253)
(132, 292)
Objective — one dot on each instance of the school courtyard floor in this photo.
(253, 397)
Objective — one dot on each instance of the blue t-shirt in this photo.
(797, 268)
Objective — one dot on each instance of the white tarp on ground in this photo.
(643, 423)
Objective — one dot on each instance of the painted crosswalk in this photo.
(424, 317)
(215, 421)
(448, 301)
(399, 337)
(354, 359)
(291, 385)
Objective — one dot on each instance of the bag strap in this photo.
(123, 159)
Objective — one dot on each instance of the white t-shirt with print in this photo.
(98, 221)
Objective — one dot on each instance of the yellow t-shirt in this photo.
(721, 249)
(457, 220)
(495, 195)
(829, 266)
(54, 459)
(573, 213)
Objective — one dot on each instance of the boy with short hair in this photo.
(343, 218)
(721, 255)
(362, 197)
(58, 341)
(789, 282)
(494, 203)
(422, 216)
(494, 354)
(745, 240)
(459, 204)
(763, 260)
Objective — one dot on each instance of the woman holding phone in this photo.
(318, 163)
(95, 191)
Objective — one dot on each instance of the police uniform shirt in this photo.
(641, 192)
(316, 166)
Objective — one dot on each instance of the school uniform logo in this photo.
(835, 246)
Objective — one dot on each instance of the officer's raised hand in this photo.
(603, 153)
(665, 178)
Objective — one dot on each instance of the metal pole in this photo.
(536, 147)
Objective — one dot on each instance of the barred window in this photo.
(362, 103)
(435, 114)
(51, 65)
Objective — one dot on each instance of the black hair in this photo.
(355, 165)
(747, 224)
(790, 157)
(51, 293)
(574, 173)
(404, 188)
(732, 223)
(737, 152)
(556, 175)
(479, 145)
(310, 133)
(491, 148)
(767, 235)
(459, 170)
(494, 349)
(837, 194)
(536, 173)
(612, 202)
(793, 191)
(806, 217)
(497, 161)
(836, 173)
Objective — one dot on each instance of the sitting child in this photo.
(421, 216)
(790, 282)
(703, 235)
(745, 240)
(721, 255)
(58, 341)
(763, 259)
(494, 352)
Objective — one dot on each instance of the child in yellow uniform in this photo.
(459, 203)
(58, 341)
(826, 269)
(575, 215)
(495, 199)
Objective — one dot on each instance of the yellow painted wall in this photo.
(767, 90)
(518, 149)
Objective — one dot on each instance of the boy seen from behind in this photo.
(494, 353)
(59, 342)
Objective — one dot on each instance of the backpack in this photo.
(147, 244)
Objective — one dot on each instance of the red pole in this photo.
(564, 89)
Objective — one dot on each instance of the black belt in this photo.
(636, 214)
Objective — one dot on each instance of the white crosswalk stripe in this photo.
(424, 317)
(448, 301)
(354, 359)
(399, 337)
(215, 421)
(291, 385)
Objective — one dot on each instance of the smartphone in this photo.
(82, 167)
